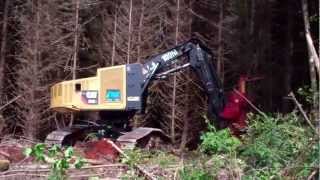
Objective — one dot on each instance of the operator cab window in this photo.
(78, 87)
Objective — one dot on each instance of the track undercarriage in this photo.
(117, 131)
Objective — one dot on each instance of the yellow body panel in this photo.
(65, 97)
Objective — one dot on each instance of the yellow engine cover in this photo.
(105, 91)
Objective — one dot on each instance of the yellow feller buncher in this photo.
(117, 93)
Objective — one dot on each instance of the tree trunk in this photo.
(186, 116)
(173, 104)
(32, 125)
(140, 31)
(75, 51)
(253, 12)
(114, 33)
(76, 41)
(3, 44)
(314, 66)
(220, 42)
(130, 32)
(288, 56)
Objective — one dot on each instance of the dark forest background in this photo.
(47, 41)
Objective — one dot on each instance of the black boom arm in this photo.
(198, 57)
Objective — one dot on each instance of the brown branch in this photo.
(312, 175)
(71, 33)
(10, 102)
(24, 169)
(22, 174)
(139, 168)
(6, 155)
(207, 20)
(250, 103)
(304, 114)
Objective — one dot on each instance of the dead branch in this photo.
(6, 155)
(139, 168)
(304, 114)
(10, 102)
(181, 164)
(312, 175)
(23, 174)
(37, 169)
(71, 33)
(250, 103)
(207, 20)
(90, 175)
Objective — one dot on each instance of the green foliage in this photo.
(68, 152)
(133, 157)
(262, 174)
(233, 164)
(61, 160)
(79, 163)
(273, 140)
(308, 94)
(314, 18)
(194, 173)
(161, 158)
(94, 178)
(37, 151)
(53, 151)
(147, 158)
(274, 146)
(218, 141)
(272, 143)
(310, 162)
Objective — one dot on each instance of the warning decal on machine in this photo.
(133, 98)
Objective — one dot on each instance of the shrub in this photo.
(233, 165)
(194, 173)
(311, 161)
(272, 143)
(60, 159)
(218, 141)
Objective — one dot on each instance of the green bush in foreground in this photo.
(272, 143)
(218, 141)
(269, 150)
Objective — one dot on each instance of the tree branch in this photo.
(304, 114)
